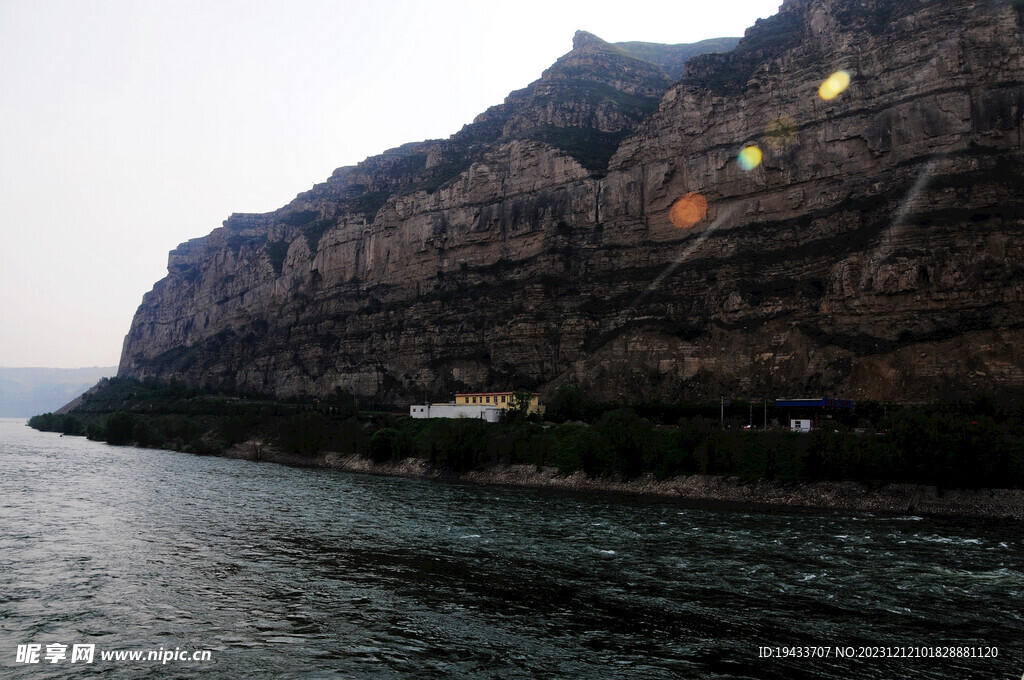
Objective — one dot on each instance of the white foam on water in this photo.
(932, 538)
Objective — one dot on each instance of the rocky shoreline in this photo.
(709, 490)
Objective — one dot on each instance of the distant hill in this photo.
(29, 391)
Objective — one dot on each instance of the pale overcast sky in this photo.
(129, 126)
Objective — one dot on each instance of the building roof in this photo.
(491, 394)
(822, 402)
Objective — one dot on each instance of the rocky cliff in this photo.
(875, 251)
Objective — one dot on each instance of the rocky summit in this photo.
(653, 222)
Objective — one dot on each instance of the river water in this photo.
(282, 572)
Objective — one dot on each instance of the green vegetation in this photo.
(672, 58)
(65, 423)
(972, 444)
(300, 218)
(440, 175)
(370, 203)
(314, 230)
(592, 148)
(236, 241)
(175, 416)
(934, 445)
(876, 19)
(276, 252)
(586, 91)
(729, 73)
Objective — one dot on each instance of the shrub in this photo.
(304, 433)
(382, 446)
(120, 426)
(96, 432)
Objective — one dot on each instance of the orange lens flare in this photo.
(749, 158)
(688, 210)
(834, 85)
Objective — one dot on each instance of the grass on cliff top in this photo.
(582, 90)
(672, 58)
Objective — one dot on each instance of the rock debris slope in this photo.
(875, 252)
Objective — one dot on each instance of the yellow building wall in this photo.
(503, 400)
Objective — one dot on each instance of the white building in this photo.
(489, 413)
(802, 425)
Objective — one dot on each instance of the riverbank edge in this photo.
(890, 499)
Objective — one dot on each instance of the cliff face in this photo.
(875, 252)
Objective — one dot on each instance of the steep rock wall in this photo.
(876, 251)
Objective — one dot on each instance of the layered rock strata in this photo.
(875, 252)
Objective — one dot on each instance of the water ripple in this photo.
(291, 573)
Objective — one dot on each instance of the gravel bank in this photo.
(845, 496)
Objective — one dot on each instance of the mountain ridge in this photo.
(872, 252)
(28, 391)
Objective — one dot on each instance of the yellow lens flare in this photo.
(688, 210)
(834, 85)
(749, 158)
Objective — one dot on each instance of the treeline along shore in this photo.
(950, 458)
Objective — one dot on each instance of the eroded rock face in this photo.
(876, 251)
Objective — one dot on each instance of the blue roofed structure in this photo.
(824, 402)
